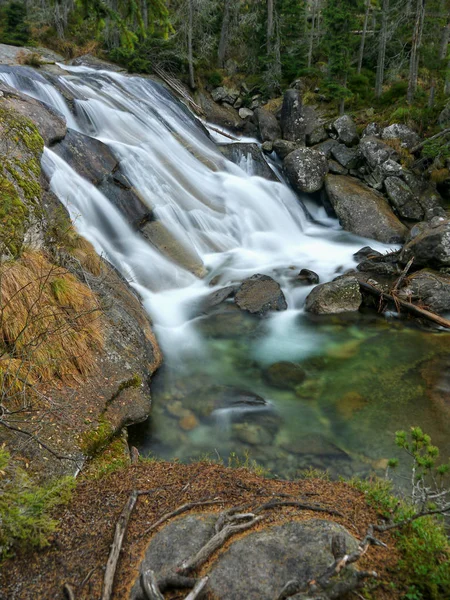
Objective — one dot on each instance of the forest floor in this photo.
(79, 550)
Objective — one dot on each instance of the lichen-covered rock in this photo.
(260, 294)
(317, 135)
(293, 123)
(326, 147)
(346, 130)
(306, 169)
(339, 296)
(347, 157)
(408, 138)
(363, 211)
(222, 115)
(428, 197)
(402, 199)
(428, 244)
(283, 148)
(225, 94)
(372, 129)
(268, 126)
(428, 288)
(375, 151)
(336, 168)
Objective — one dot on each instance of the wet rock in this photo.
(292, 119)
(366, 252)
(283, 148)
(326, 147)
(240, 152)
(218, 297)
(346, 130)
(380, 267)
(267, 147)
(253, 434)
(375, 151)
(428, 288)
(339, 296)
(428, 244)
(408, 138)
(245, 113)
(284, 374)
(268, 126)
(363, 211)
(224, 116)
(188, 422)
(49, 123)
(306, 169)
(307, 277)
(402, 199)
(347, 157)
(372, 129)
(229, 322)
(316, 136)
(336, 168)
(260, 294)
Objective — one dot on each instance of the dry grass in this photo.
(439, 175)
(406, 158)
(50, 325)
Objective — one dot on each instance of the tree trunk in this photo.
(415, 56)
(190, 50)
(382, 49)
(363, 38)
(269, 25)
(223, 42)
(444, 42)
(342, 101)
(311, 36)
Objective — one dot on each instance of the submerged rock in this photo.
(260, 294)
(339, 296)
(284, 374)
(428, 288)
(428, 244)
(306, 169)
(363, 211)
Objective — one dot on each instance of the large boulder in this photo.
(402, 199)
(339, 296)
(345, 129)
(293, 123)
(407, 137)
(260, 294)
(428, 244)
(375, 152)
(372, 129)
(316, 136)
(268, 126)
(306, 169)
(363, 211)
(283, 148)
(347, 157)
(428, 288)
(250, 157)
(255, 566)
(326, 147)
(429, 198)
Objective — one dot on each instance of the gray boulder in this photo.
(339, 296)
(429, 288)
(375, 152)
(283, 148)
(408, 138)
(245, 113)
(402, 199)
(268, 126)
(428, 244)
(292, 119)
(306, 169)
(336, 168)
(372, 129)
(225, 94)
(238, 152)
(307, 277)
(260, 294)
(326, 147)
(363, 211)
(346, 130)
(428, 197)
(347, 157)
(316, 136)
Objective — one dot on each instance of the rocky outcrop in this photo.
(339, 296)
(306, 169)
(428, 288)
(428, 244)
(403, 200)
(258, 565)
(260, 294)
(375, 151)
(268, 126)
(222, 115)
(363, 211)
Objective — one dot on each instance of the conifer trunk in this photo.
(223, 42)
(415, 55)
(382, 49)
(363, 38)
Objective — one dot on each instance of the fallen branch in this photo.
(121, 528)
(178, 511)
(411, 308)
(422, 513)
(302, 505)
(433, 137)
(228, 135)
(68, 592)
(404, 273)
(197, 589)
(214, 544)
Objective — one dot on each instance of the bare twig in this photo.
(302, 505)
(197, 589)
(150, 585)
(68, 592)
(433, 137)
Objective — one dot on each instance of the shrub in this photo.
(215, 79)
(396, 92)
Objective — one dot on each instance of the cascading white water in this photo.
(238, 224)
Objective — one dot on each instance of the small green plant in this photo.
(215, 79)
(312, 473)
(26, 508)
(95, 440)
(237, 462)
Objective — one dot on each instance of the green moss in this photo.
(13, 217)
(30, 187)
(20, 129)
(113, 457)
(26, 508)
(92, 442)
